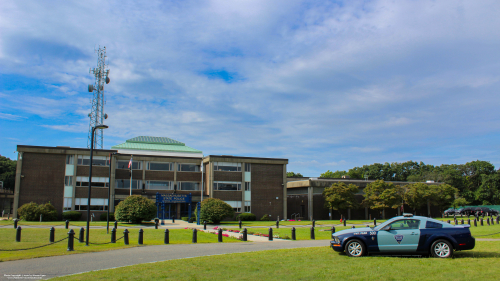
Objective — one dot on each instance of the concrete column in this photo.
(17, 185)
(243, 183)
(75, 159)
(211, 180)
(112, 162)
(175, 175)
(285, 215)
(310, 203)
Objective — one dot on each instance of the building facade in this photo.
(147, 166)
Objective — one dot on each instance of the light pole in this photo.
(90, 177)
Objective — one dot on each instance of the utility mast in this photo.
(97, 115)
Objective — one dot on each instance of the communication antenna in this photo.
(97, 114)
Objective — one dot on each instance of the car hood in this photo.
(352, 230)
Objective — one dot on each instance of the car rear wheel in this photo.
(355, 248)
(441, 249)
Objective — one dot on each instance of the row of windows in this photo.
(231, 167)
(158, 185)
(236, 205)
(227, 185)
(96, 204)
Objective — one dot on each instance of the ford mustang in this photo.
(405, 235)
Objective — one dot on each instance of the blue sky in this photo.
(329, 85)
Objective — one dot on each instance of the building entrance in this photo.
(167, 205)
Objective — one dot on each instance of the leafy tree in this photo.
(488, 192)
(7, 172)
(333, 175)
(458, 202)
(356, 173)
(135, 208)
(214, 210)
(443, 196)
(416, 195)
(340, 196)
(380, 195)
(294, 175)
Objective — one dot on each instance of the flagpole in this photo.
(131, 164)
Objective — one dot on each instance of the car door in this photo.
(399, 236)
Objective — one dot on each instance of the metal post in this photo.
(195, 236)
(277, 224)
(270, 234)
(166, 240)
(18, 234)
(475, 222)
(293, 233)
(82, 233)
(220, 235)
(90, 185)
(204, 225)
(239, 223)
(113, 235)
(482, 222)
(375, 222)
(173, 218)
(71, 236)
(245, 235)
(116, 224)
(468, 221)
(51, 236)
(462, 221)
(156, 223)
(125, 236)
(314, 223)
(141, 236)
(15, 223)
(488, 221)
(313, 237)
(67, 224)
(345, 222)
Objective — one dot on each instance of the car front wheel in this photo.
(441, 249)
(355, 248)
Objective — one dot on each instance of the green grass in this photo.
(319, 263)
(32, 237)
(74, 223)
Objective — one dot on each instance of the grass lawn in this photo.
(32, 237)
(313, 263)
(72, 223)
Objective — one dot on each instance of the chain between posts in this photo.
(106, 242)
(12, 250)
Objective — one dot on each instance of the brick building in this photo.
(60, 175)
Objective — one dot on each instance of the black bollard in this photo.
(333, 229)
(195, 236)
(113, 235)
(456, 221)
(204, 225)
(156, 223)
(312, 233)
(314, 223)
(71, 242)
(82, 234)
(239, 223)
(15, 223)
(125, 236)
(219, 234)
(141, 236)
(488, 221)
(498, 219)
(67, 224)
(116, 224)
(293, 233)
(270, 234)
(166, 240)
(475, 222)
(345, 222)
(245, 236)
(173, 220)
(374, 222)
(482, 222)
(462, 221)
(18, 234)
(277, 224)
(468, 221)
(51, 236)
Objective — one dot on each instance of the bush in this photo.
(265, 217)
(185, 218)
(214, 210)
(136, 209)
(192, 220)
(72, 216)
(104, 217)
(246, 217)
(32, 211)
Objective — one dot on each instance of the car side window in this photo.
(405, 224)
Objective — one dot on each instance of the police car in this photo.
(405, 235)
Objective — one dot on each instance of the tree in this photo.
(416, 195)
(32, 211)
(443, 196)
(7, 172)
(333, 175)
(135, 208)
(214, 210)
(488, 192)
(340, 196)
(458, 202)
(380, 195)
(294, 175)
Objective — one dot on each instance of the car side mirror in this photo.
(386, 228)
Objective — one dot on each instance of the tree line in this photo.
(7, 172)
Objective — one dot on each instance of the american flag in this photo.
(130, 163)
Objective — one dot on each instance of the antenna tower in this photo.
(97, 114)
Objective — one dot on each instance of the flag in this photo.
(130, 163)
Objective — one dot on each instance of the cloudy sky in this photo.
(329, 85)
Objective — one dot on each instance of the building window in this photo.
(248, 167)
(136, 184)
(248, 186)
(159, 185)
(158, 166)
(68, 180)
(96, 204)
(247, 207)
(227, 166)
(236, 205)
(184, 185)
(227, 185)
(96, 160)
(70, 159)
(123, 164)
(67, 204)
(96, 181)
(188, 168)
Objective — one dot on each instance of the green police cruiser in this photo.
(405, 235)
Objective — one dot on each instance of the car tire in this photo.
(441, 249)
(355, 248)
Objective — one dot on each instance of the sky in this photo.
(328, 85)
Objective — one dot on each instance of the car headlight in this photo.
(336, 239)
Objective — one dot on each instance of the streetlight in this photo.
(90, 176)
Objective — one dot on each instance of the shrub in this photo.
(72, 216)
(246, 217)
(104, 217)
(191, 220)
(32, 211)
(265, 217)
(136, 209)
(214, 210)
(185, 218)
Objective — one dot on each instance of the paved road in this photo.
(78, 263)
